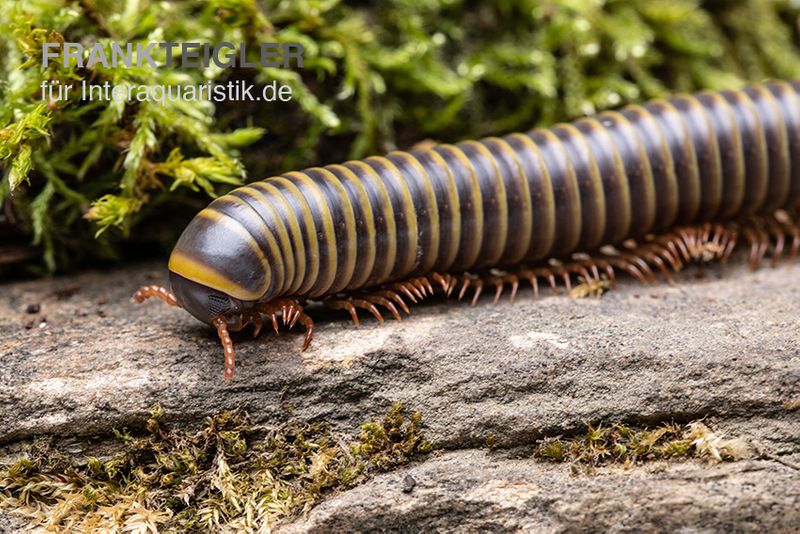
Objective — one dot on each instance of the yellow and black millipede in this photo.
(686, 178)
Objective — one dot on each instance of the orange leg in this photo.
(291, 313)
(446, 281)
(665, 252)
(382, 297)
(790, 229)
(255, 318)
(227, 347)
(162, 293)
(778, 233)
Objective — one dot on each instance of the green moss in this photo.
(228, 474)
(377, 76)
(618, 443)
(393, 440)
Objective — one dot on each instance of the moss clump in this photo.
(377, 75)
(228, 475)
(622, 444)
(391, 441)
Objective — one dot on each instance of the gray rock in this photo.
(725, 348)
(476, 491)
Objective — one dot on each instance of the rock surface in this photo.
(475, 491)
(724, 347)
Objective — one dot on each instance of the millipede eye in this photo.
(217, 304)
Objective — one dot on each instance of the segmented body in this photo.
(500, 202)
(649, 180)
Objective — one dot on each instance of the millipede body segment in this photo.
(665, 182)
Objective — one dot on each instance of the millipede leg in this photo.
(408, 289)
(758, 244)
(446, 281)
(665, 254)
(790, 228)
(392, 295)
(774, 233)
(255, 318)
(351, 303)
(533, 275)
(478, 283)
(642, 265)
(559, 270)
(650, 257)
(227, 346)
(465, 283)
(676, 244)
(386, 303)
(159, 292)
(342, 304)
(514, 281)
(661, 253)
(779, 236)
(291, 313)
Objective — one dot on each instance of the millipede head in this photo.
(208, 304)
(224, 312)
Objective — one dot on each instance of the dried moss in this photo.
(230, 474)
(622, 444)
(378, 75)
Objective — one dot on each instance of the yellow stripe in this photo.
(597, 196)
(693, 195)
(287, 254)
(268, 191)
(430, 200)
(237, 228)
(391, 226)
(738, 154)
(671, 187)
(713, 208)
(573, 193)
(195, 271)
(522, 235)
(366, 248)
(455, 212)
(549, 206)
(312, 252)
(199, 272)
(787, 91)
(502, 206)
(649, 185)
(784, 146)
(475, 201)
(346, 266)
(410, 215)
(325, 279)
(761, 192)
(277, 267)
(624, 188)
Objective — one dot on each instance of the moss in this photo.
(85, 176)
(622, 444)
(393, 440)
(230, 474)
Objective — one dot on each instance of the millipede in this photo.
(642, 190)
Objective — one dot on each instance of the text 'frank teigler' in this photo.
(173, 55)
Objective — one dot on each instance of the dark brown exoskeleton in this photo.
(646, 187)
